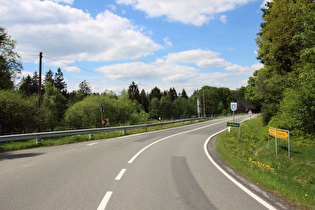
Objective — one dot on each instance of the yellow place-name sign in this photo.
(278, 133)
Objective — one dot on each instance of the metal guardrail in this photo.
(41, 135)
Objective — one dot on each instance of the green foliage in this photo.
(214, 99)
(54, 105)
(119, 111)
(290, 178)
(10, 61)
(29, 85)
(18, 114)
(286, 48)
(297, 109)
(133, 92)
(85, 88)
(166, 107)
(155, 110)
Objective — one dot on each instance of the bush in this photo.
(18, 114)
(119, 111)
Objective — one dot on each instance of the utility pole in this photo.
(204, 104)
(40, 79)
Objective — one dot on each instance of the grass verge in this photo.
(292, 179)
(27, 144)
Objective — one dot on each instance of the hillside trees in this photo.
(20, 110)
(120, 111)
(54, 104)
(29, 85)
(287, 49)
(10, 61)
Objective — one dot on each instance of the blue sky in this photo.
(164, 43)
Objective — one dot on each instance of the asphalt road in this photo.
(167, 169)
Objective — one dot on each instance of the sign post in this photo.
(102, 110)
(198, 107)
(233, 108)
(279, 134)
(236, 125)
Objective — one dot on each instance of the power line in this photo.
(91, 71)
(67, 64)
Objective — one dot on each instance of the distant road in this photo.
(165, 169)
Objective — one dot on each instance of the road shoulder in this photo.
(266, 195)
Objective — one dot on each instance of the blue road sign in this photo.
(233, 106)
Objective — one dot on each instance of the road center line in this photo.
(245, 189)
(91, 144)
(121, 173)
(105, 200)
(142, 150)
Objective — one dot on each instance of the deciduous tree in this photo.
(10, 61)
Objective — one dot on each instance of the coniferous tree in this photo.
(29, 85)
(144, 101)
(49, 77)
(155, 93)
(133, 92)
(184, 94)
(59, 82)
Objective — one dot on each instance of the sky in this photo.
(155, 43)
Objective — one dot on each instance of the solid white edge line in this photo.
(105, 200)
(253, 195)
(167, 137)
(121, 173)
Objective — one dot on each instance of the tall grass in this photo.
(292, 179)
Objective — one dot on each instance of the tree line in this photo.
(20, 111)
(23, 110)
(285, 87)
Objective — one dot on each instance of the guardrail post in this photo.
(38, 140)
(91, 136)
(124, 132)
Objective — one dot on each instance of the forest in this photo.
(285, 87)
(23, 111)
(283, 90)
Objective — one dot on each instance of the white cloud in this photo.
(167, 42)
(215, 62)
(245, 70)
(191, 56)
(196, 12)
(64, 32)
(201, 58)
(223, 19)
(73, 69)
(63, 1)
(112, 7)
(173, 71)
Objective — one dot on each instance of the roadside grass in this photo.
(292, 179)
(28, 144)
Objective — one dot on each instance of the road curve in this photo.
(165, 169)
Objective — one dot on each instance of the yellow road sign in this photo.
(278, 133)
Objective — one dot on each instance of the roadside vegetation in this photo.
(28, 144)
(292, 179)
(282, 90)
